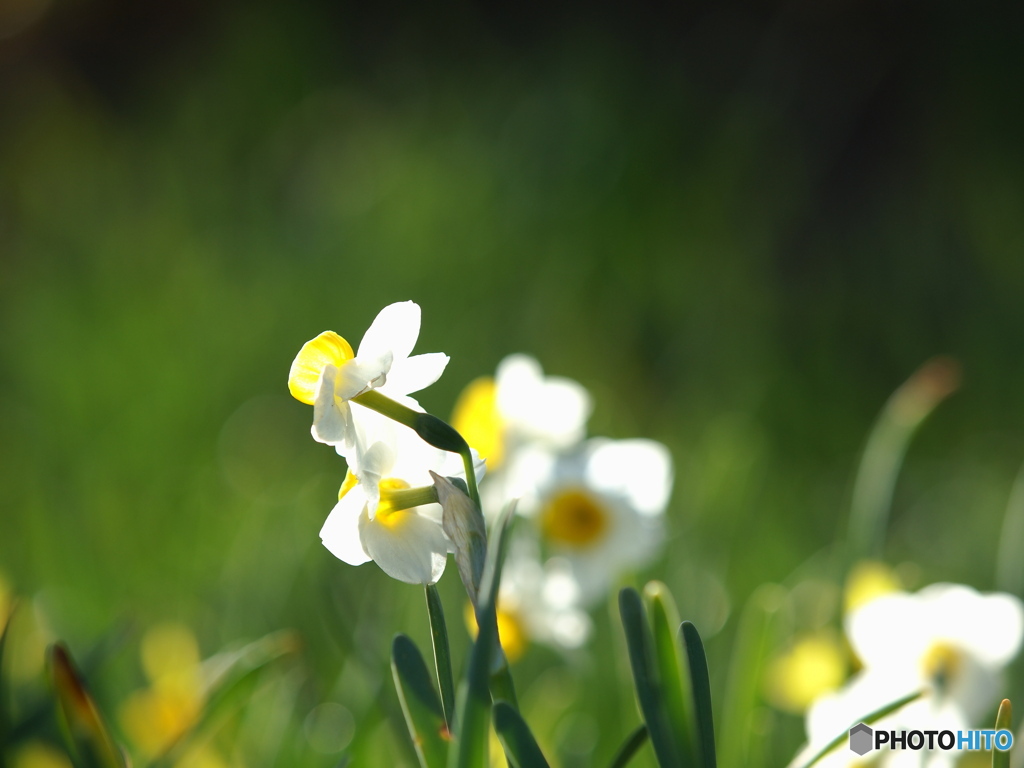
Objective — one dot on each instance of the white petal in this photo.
(340, 533)
(394, 330)
(414, 373)
(638, 470)
(989, 627)
(413, 550)
(552, 409)
(332, 422)
(360, 374)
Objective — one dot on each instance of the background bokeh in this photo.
(741, 226)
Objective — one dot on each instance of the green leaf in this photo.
(474, 699)
(1004, 722)
(744, 748)
(630, 747)
(640, 643)
(88, 735)
(700, 684)
(515, 736)
(867, 719)
(672, 668)
(420, 704)
(442, 654)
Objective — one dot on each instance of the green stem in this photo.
(632, 745)
(442, 654)
(878, 714)
(474, 491)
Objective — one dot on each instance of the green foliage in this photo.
(420, 704)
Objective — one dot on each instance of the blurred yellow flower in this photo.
(511, 629)
(36, 754)
(814, 665)
(866, 581)
(155, 717)
(477, 418)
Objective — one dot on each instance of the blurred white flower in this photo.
(327, 375)
(947, 640)
(383, 512)
(599, 507)
(520, 405)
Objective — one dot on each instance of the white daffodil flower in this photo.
(947, 640)
(382, 513)
(521, 405)
(600, 507)
(327, 374)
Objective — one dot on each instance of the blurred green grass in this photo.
(732, 263)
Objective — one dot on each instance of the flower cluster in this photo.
(386, 510)
(947, 642)
(595, 507)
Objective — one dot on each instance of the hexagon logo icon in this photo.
(861, 737)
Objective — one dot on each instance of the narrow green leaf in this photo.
(515, 736)
(743, 747)
(868, 719)
(648, 687)
(442, 654)
(420, 704)
(630, 747)
(1004, 722)
(700, 684)
(473, 704)
(89, 736)
(886, 447)
(672, 669)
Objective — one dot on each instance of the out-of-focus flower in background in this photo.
(813, 665)
(520, 405)
(947, 641)
(600, 507)
(327, 375)
(157, 716)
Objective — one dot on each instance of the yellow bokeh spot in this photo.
(201, 756)
(511, 632)
(941, 663)
(477, 419)
(154, 718)
(867, 581)
(814, 665)
(36, 754)
(326, 349)
(574, 518)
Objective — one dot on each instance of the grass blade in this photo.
(442, 654)
(5, 718)
(700, 684)
(868, 719)
(630, 747)
(420, 704)
(1004, 722)
(515, 736)
(744, 747)
(672, 672)
(645, 677)
(474, 699)
(88, 734)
